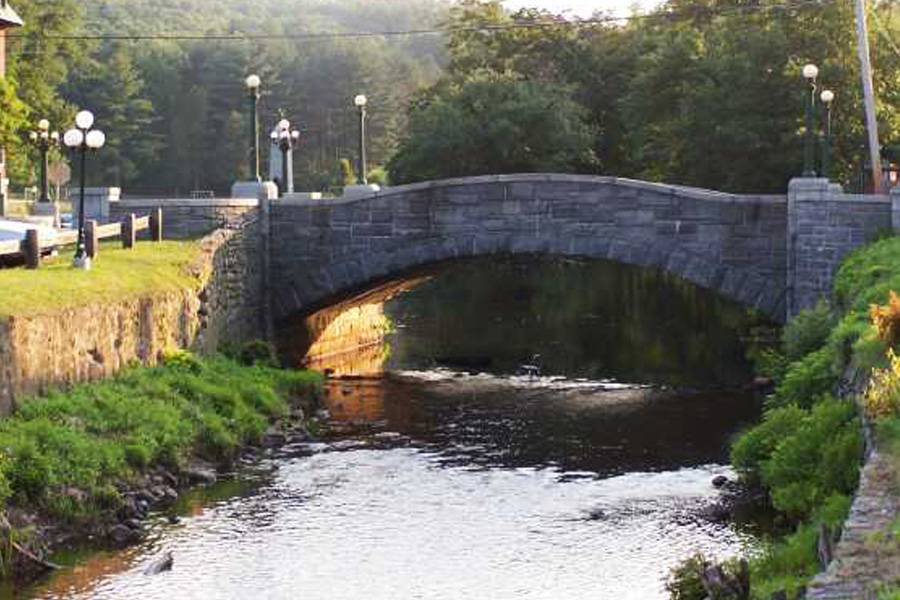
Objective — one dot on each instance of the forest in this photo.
(705, 93)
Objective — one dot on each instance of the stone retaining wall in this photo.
(95, 341)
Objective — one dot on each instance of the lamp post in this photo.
(810, 72)
(360, 101)
(285, 139)
(827, 98)
(253, 82)
(82, 138)
(44, 139)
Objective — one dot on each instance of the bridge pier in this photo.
(824, 226)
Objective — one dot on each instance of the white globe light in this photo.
(284, 124)
(54, 136)
(284, 134)
(810, 71)
(33, 136)
(827, 96)
(45, 135)
(84, 119)
(73, 138)
(295, 134)
(95, 139)
(43, 124)
(274, 136)
(253, 82)
(360, 101)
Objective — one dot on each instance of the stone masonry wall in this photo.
(324, 249)
(94, 341)
(825, 226)
(188, 218)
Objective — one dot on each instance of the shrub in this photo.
(769, 362)
(808, 331)
(182, 359)
(684, 581)
(806, 380)
(882, 395)
(788, 565)
(756, 444)
(887, 319)
(818, 459)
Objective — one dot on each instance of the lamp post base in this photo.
(82, 263)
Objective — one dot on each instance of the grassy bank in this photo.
(806, 451)
(69, 455)
(116, 274)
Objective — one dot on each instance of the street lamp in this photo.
(285, 139)
(360, 101)
(44, 139)
(827, 98)
(82, 138)
(810, 72)
(253, 82)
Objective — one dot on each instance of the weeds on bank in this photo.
(84, 441)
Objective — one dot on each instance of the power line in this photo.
(561, 23)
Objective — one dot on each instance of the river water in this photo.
(462, 475)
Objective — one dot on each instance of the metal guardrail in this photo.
(31, 247)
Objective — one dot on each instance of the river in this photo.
(463, 475)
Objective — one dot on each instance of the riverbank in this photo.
(836, 400)
(91, 461)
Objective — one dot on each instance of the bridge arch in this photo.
(326, 250)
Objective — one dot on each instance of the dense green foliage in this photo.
(97, 435)
(706, 94)
(806, 450)
(175, 111)
(703, 93)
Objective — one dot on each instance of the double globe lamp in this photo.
(83, 139)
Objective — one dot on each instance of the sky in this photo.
(582, 8)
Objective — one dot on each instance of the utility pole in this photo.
(865, 71)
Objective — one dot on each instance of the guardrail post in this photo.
(91, 239)
(156, 225)
(128, 233)
(32, 249)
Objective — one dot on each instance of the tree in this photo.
(494, 124)
(112, 88)
(13, 123)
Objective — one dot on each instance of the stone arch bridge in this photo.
(774, 253)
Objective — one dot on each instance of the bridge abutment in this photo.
(824, 226)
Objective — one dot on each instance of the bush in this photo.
(769, 362)
(882, 396)
(887, 319)
(788, 565)
(818, 459)
(684, 581)
(755, 445)
(808, 331)
(806, 380)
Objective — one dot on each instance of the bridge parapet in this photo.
(185, 218)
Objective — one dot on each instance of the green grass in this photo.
(116, 274)
(96, 436)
